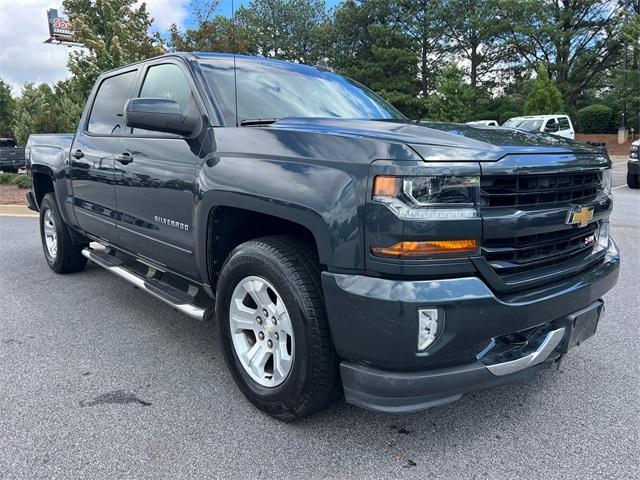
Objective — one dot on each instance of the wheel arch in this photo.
(229, 226)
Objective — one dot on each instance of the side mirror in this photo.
(159, 115)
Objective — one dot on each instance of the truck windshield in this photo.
(523, 124)
(269, 89)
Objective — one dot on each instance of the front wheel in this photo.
(633, 181)
(273, 327)
(61, 254)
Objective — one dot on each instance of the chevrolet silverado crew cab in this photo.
(341, 248)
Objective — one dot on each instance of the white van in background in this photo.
(554, 124)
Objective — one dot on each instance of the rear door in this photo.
(565, 129)
(155, 187)
(92, 156)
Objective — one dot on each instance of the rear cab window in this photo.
(564, 123)
(7, 143)
(107, 111)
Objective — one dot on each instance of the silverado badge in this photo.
(580, 216)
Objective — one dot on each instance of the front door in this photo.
(155, 179)
(92, 157)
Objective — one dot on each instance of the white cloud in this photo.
(166, 12)
(23, 29)
(23, 55)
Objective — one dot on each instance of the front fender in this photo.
(322, 199)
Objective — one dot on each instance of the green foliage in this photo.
(114, 32)
(14, 179)
(595, 119)
(367, 48)
(7, 109)
(544, 98)
(286, 29)
(452, 98)
(506, 115)
(577, 41)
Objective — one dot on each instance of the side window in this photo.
(108, 106)
(552, 125)
(167, 81)
(564, 123)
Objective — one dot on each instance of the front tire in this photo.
(61, 254)
(633, 181)
(273, 327)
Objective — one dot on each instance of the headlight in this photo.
(603, 235)
(428, 198)
(606, 181)
(633, 152)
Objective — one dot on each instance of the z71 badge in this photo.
(171, 223)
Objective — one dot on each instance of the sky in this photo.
(23, 29)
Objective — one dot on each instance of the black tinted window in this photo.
(108, 106)
(564, 123)
(167, 81)
(7, 142)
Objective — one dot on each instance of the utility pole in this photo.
(626, 55)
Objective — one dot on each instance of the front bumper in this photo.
(374, 327)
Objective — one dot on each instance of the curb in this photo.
(17, 211)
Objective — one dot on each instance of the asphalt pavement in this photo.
(99, 380)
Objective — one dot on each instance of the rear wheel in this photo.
(633, 181)
(273, 327)
(61, 254)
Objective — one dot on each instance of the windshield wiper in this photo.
(247, 122)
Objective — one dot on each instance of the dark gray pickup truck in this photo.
(11, 157)
(341, 248)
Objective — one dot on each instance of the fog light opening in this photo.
(429, 326)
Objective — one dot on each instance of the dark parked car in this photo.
(11, 157)
(633, 166)
(340, 247)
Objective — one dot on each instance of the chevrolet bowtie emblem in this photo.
(580, 216)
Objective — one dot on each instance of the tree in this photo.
(577, 40)
(544, 98)
(114, 32)
(7, 108)
(286, 29)
(423, 22)
(453, 97)
(368, 47)
(212, 32)
(475, 31)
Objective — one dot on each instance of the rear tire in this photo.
(633, 181)
(61, 254)
(283, 275)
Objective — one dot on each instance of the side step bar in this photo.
(171, 296)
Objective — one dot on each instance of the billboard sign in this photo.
(59, 28)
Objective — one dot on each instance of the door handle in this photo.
(124, 158)
(77, 154)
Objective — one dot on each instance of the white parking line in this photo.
(619, 186)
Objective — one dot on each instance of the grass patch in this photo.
(14, 179)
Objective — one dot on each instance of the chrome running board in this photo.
(173, 297)
(548, 345)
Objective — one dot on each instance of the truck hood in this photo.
(444, 141)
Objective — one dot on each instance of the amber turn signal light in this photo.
(418, 249)
(386, 186)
